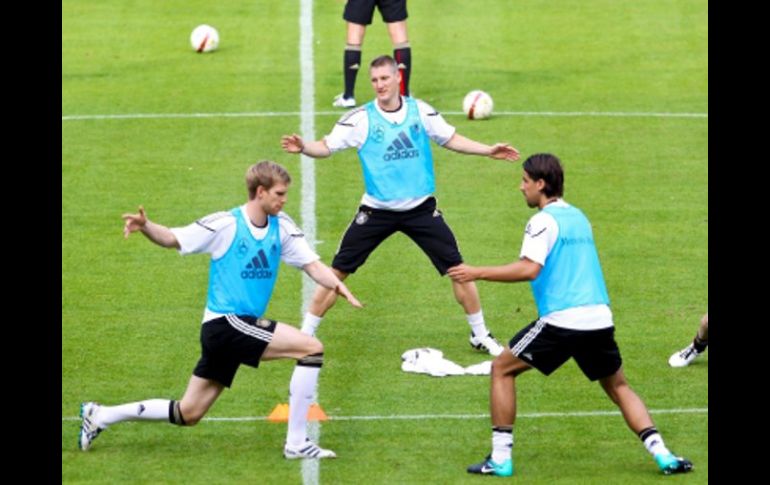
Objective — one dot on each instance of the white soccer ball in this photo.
(204, 38)
(477, 105)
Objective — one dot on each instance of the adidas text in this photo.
(256, 274)
(398, 155)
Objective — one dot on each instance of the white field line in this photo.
(420, 417)
(308, 111)
(310, 468)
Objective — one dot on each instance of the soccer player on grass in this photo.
(559, 258)
(392, 134)
(246, 245)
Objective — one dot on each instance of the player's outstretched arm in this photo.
(160, 235)
(324, 276)
(521, 270)
(499, 151)
(295, 144)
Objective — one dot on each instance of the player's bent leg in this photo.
(631, 405)
(502, 406)
(289, 343)
(502, 402)
(638, 419)
(198, 398)
(324, 298)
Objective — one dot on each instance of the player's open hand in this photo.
(462, 273)
(342, 290)
(134, 222)
(292, 143)
(504, 151)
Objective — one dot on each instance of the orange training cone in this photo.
(315, 413)
(280, 414)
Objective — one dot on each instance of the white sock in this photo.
(149, 410)
(310, 323)
(476, 321)
(502, 444)
(655, 445)
(301, 391)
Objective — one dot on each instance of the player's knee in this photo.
(314, 347)
(193, 419)
(616, 388)
(318, 347)
(498, 369)
(193, 416)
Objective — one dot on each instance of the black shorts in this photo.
(424, 225)
(361, 11)
(229, 341)
(546, 347)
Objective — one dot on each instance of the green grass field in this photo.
(131, 310)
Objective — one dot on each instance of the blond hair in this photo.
(265, 173)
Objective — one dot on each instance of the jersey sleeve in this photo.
(539, 237)
(435, 125)
(295, 249)
(350, 131)
(211, 234)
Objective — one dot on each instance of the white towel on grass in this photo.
(480, 369)
(426, 360)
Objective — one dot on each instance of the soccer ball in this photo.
(204, 38)
(477, 105)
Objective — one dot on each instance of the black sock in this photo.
(700, 345)
(350, 64)
(403, 57)
(175, 414)
(643, 434)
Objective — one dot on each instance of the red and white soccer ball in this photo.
(478, 105)
(204, 38)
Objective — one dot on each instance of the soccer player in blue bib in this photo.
(392, 134)
(246, 245)
(558, 257)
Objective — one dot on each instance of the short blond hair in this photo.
(265, 173)
(385, 60)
